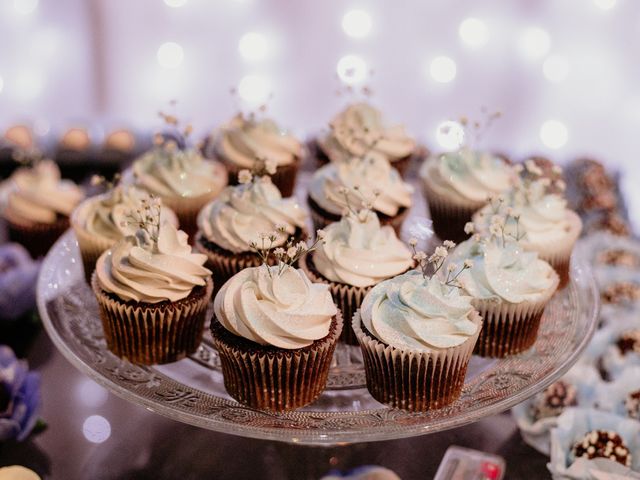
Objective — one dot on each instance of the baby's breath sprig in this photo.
(360, 212)
(261, 168)
(146, 219)
(106, 183)
(177, 137)
(437, 260)
(286, 255)
(497, 226)
(474, 130)
(533, 182)
(27, 157)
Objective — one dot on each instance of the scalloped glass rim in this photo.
(192, 393)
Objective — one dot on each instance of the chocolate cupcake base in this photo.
(37, 238)
(269, 378)
(284, 178)
(153, 333)
(413, 380)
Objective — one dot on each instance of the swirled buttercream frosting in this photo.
(467, 174)
(410, 312)
(39, 195)
(243, 140)
(358, 251)
(178, 173)
(241, 213)
(359, 129)
(142, 270)
(283, 310)
(370, 175)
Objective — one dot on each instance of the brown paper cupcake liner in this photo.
(284, 178)
(269, 378)
(187, 209)
(149, 333)
(321, 218)
(449, 218)
(413, 380)
(37, 238)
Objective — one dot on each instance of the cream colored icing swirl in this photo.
(181, 173)
(141, 270)
(359, 129)
(282, 310)
(361, 253)
(411, 313)
(370, 174)
(507, 273)
(105, 215)
(472, 175)
(39, 195)
(244, 140)
(241, 213)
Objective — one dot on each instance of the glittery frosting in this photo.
(241, 213)
(39, 195)
(468, 174)
(141, 270)
(372, 174)
(503, 272)
(243, 140)
(410, 312)
(359, 129)
(358, 251)
(178, 173)
(283, 310)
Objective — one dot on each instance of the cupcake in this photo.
(510, 289)
(100, 221)
(245, 140)
(152, 292)
(355, 254)
(417, 334)
(38, 206)
(358, 180)
(74, 154)
(182, 178)
(240, 219)
(359, 130)
(118, 149)
(457, 184)
(17, 138)
(275, 332)
(550, 228)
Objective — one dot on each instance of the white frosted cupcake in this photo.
(243, 140)
(355, 254)
(337, 185)
(417, 335)
(100, 221)
(275, 332)
(510, 290)
(457, 184)
(550, 228)
(358, 130)
(152, 292)
(38, 205)
(243, 215)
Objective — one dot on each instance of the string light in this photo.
(25, 7)
(473, 32)
(352, 69)
(555, 68)
(534, 42)
(254, 89)
(253, 46)
(175, 3)
(356, 23)
(554, 134)
(442, 69)
(450, 135)
(170, 55)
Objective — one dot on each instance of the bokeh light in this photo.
(356, 23)
(443, 69)
(96, 429)
(473, 32)
(253, 46)
(534, 42)
(254, 89)
(352, 69)
(450, 135)
(554, 134)
(170, 55)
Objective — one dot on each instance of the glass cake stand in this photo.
(192, 389)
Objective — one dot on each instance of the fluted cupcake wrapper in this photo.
(91, 247)
(449, 218)
(267, 378)
(187, 209)
(414, 380)
(284, 178)
(147, 333)
(509, 328)
(37, 238)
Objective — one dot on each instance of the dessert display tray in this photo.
(192, 389)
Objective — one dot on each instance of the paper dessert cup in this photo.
(510, 328)
(91, 247)
(414, 380)
(37, 238)
(321, 218)
(153, 333)
(284, 178)
(270, 378)
(449, 217)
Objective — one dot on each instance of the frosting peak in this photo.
(283, 310)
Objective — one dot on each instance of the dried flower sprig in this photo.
(27, 157)
(286, 255)
(474, 130)
(533, 182)
(145, 219)
(106, 183)
(261, 168)
(430, 265)
(360, 212)
(176, 138)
